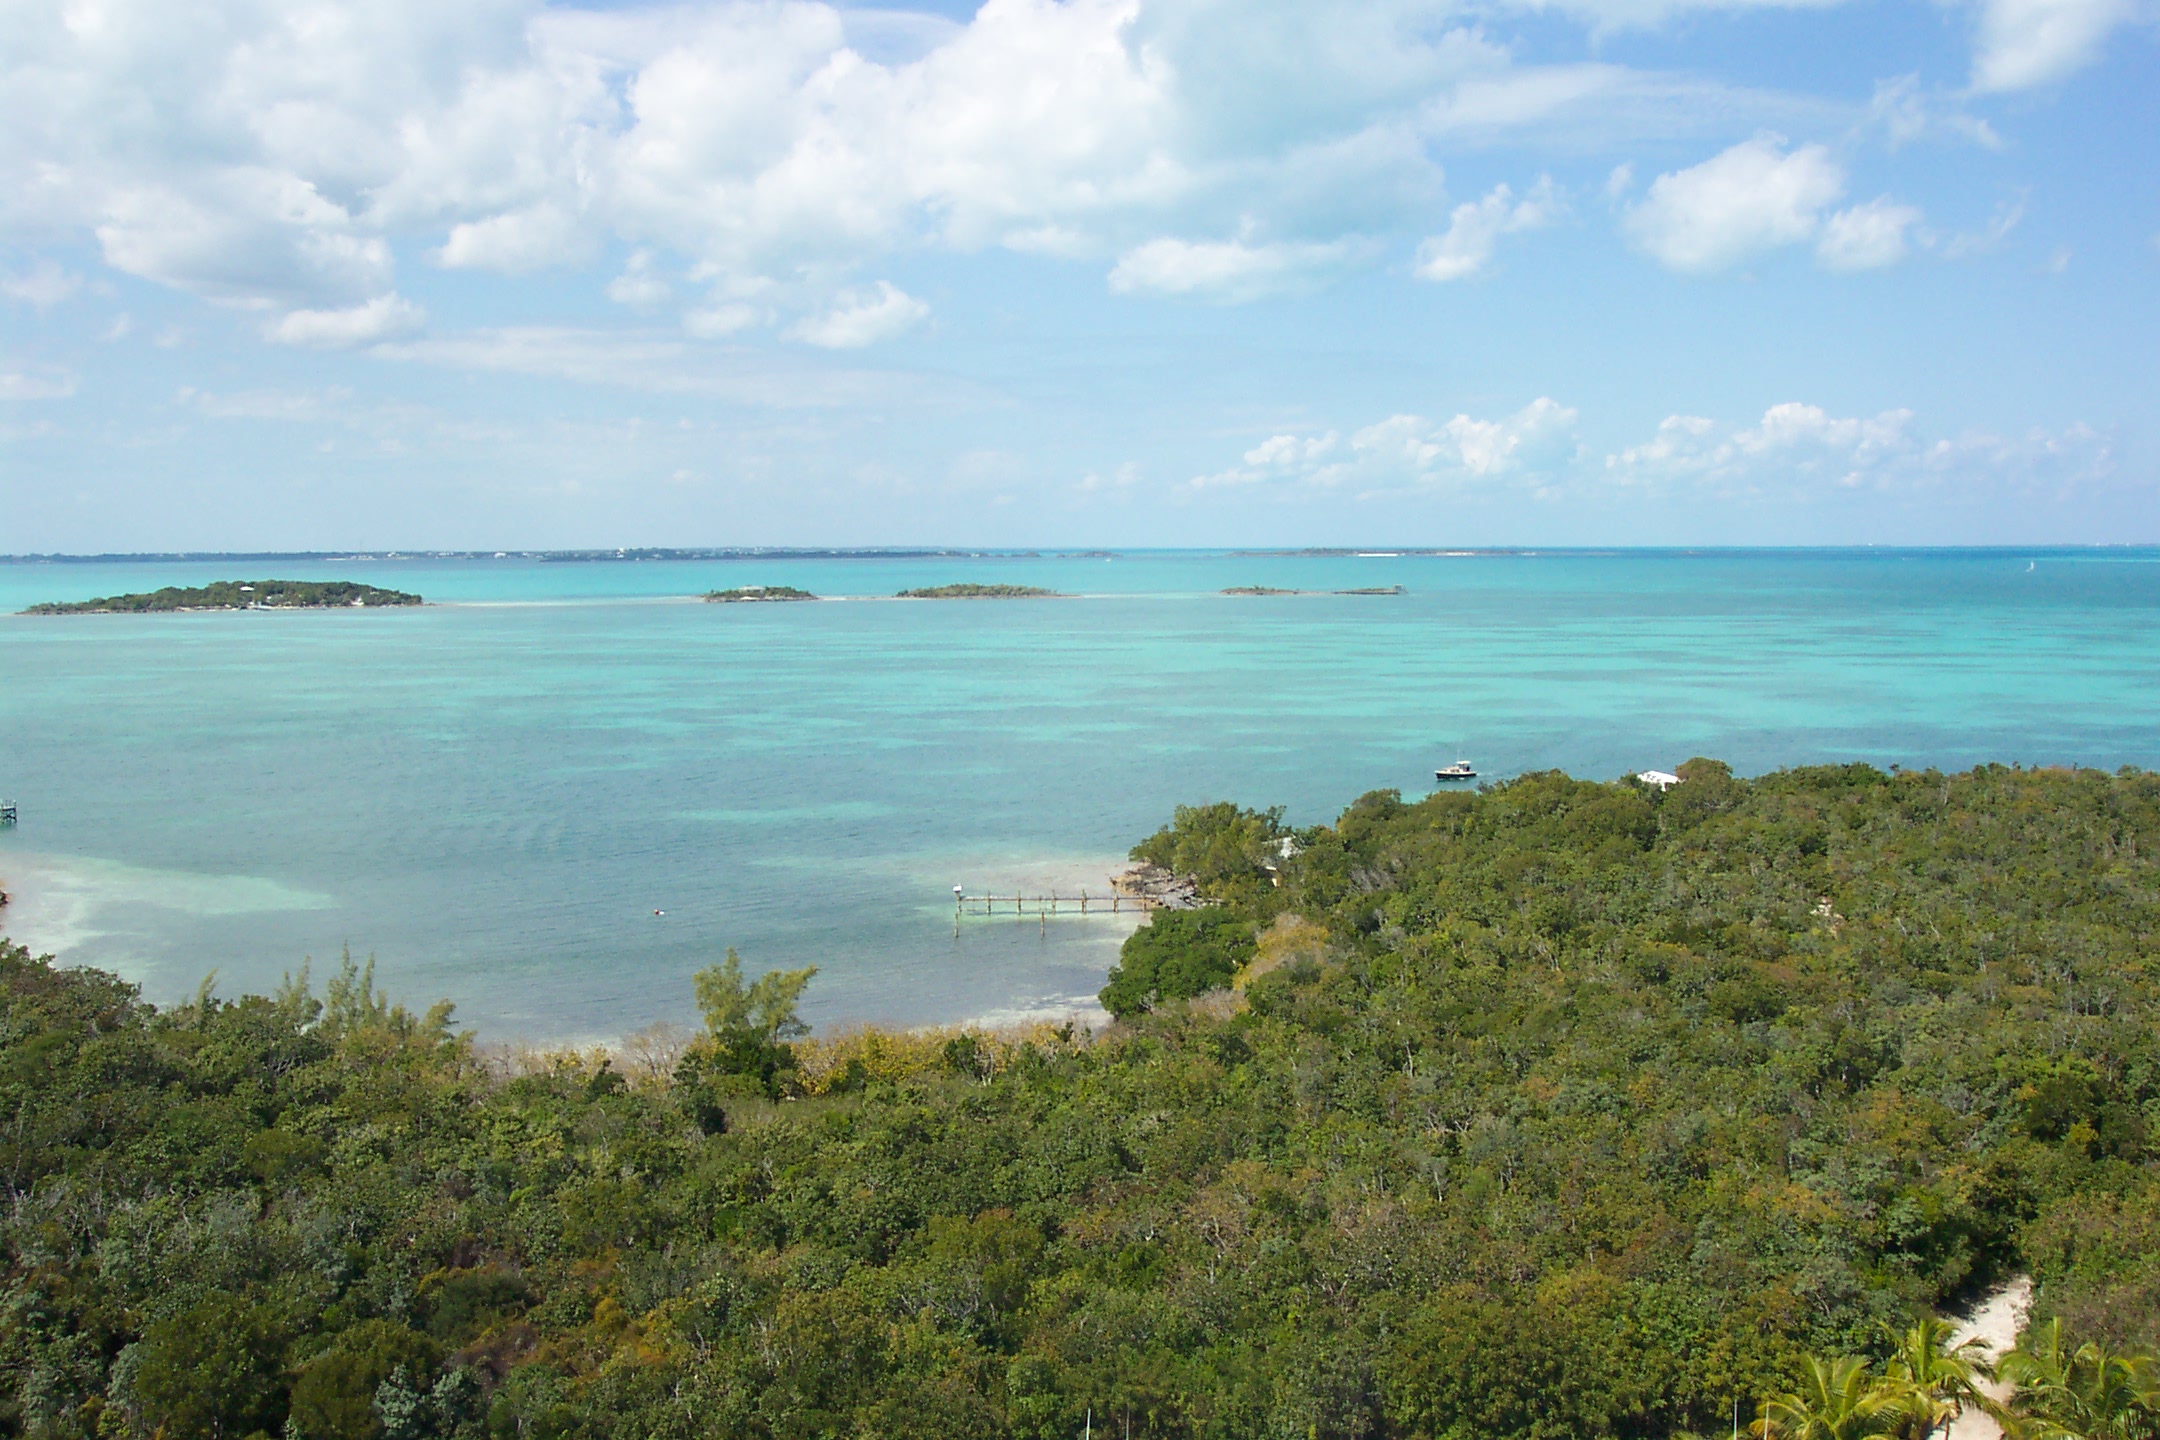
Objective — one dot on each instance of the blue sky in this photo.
(480, 273)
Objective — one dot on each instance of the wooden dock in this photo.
(1028, 906)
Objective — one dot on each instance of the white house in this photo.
(1659, 778)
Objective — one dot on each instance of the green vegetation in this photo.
(1226, 849)
(1178, 954)
(975, 592)
(756, 593)
(237, 595)
(1373, 590)
(2056, 1393)
(1556, 1109)
(2090, 1389)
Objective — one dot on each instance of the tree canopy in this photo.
(1552, 1109)
(237, 595)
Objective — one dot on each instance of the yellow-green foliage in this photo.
(900, 1057)
(892, 1057)
(1291, 940)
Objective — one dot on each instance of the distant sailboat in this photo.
(1460, 770)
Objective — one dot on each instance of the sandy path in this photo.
(1995, 1325)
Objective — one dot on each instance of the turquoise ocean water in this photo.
(493, 794)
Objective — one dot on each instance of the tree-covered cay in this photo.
(236, 595)
(1556, 1109)
(755, 594)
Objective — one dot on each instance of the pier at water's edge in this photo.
(1141, 888)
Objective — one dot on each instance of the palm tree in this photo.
(2091, 1393)
(1939, 1380)
(1838, 1400)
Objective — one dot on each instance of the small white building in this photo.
(1660, 778)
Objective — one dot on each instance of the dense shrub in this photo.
(1552, 1109)
(1178, 954)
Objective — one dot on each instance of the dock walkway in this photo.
(1024, 906)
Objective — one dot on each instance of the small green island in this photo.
(756, 594)
(1260, 590)
(236, 595)
(976, 592)
(1372, 590)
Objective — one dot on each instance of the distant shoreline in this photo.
(731, 553)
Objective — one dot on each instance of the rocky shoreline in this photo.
(1157, 883)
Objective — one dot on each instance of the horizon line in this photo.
(660, 553)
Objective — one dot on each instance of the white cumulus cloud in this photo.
(1801, 449)
(1288, 450)
(862, 317)
(1474, 230)
(1867, 237)
(516, 243)
(283, 156)
(386, 317)
(1794, 452)
(245, 235)
(1754, 197)
(1533, 444)
(2023, 43)
(1224, 269)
